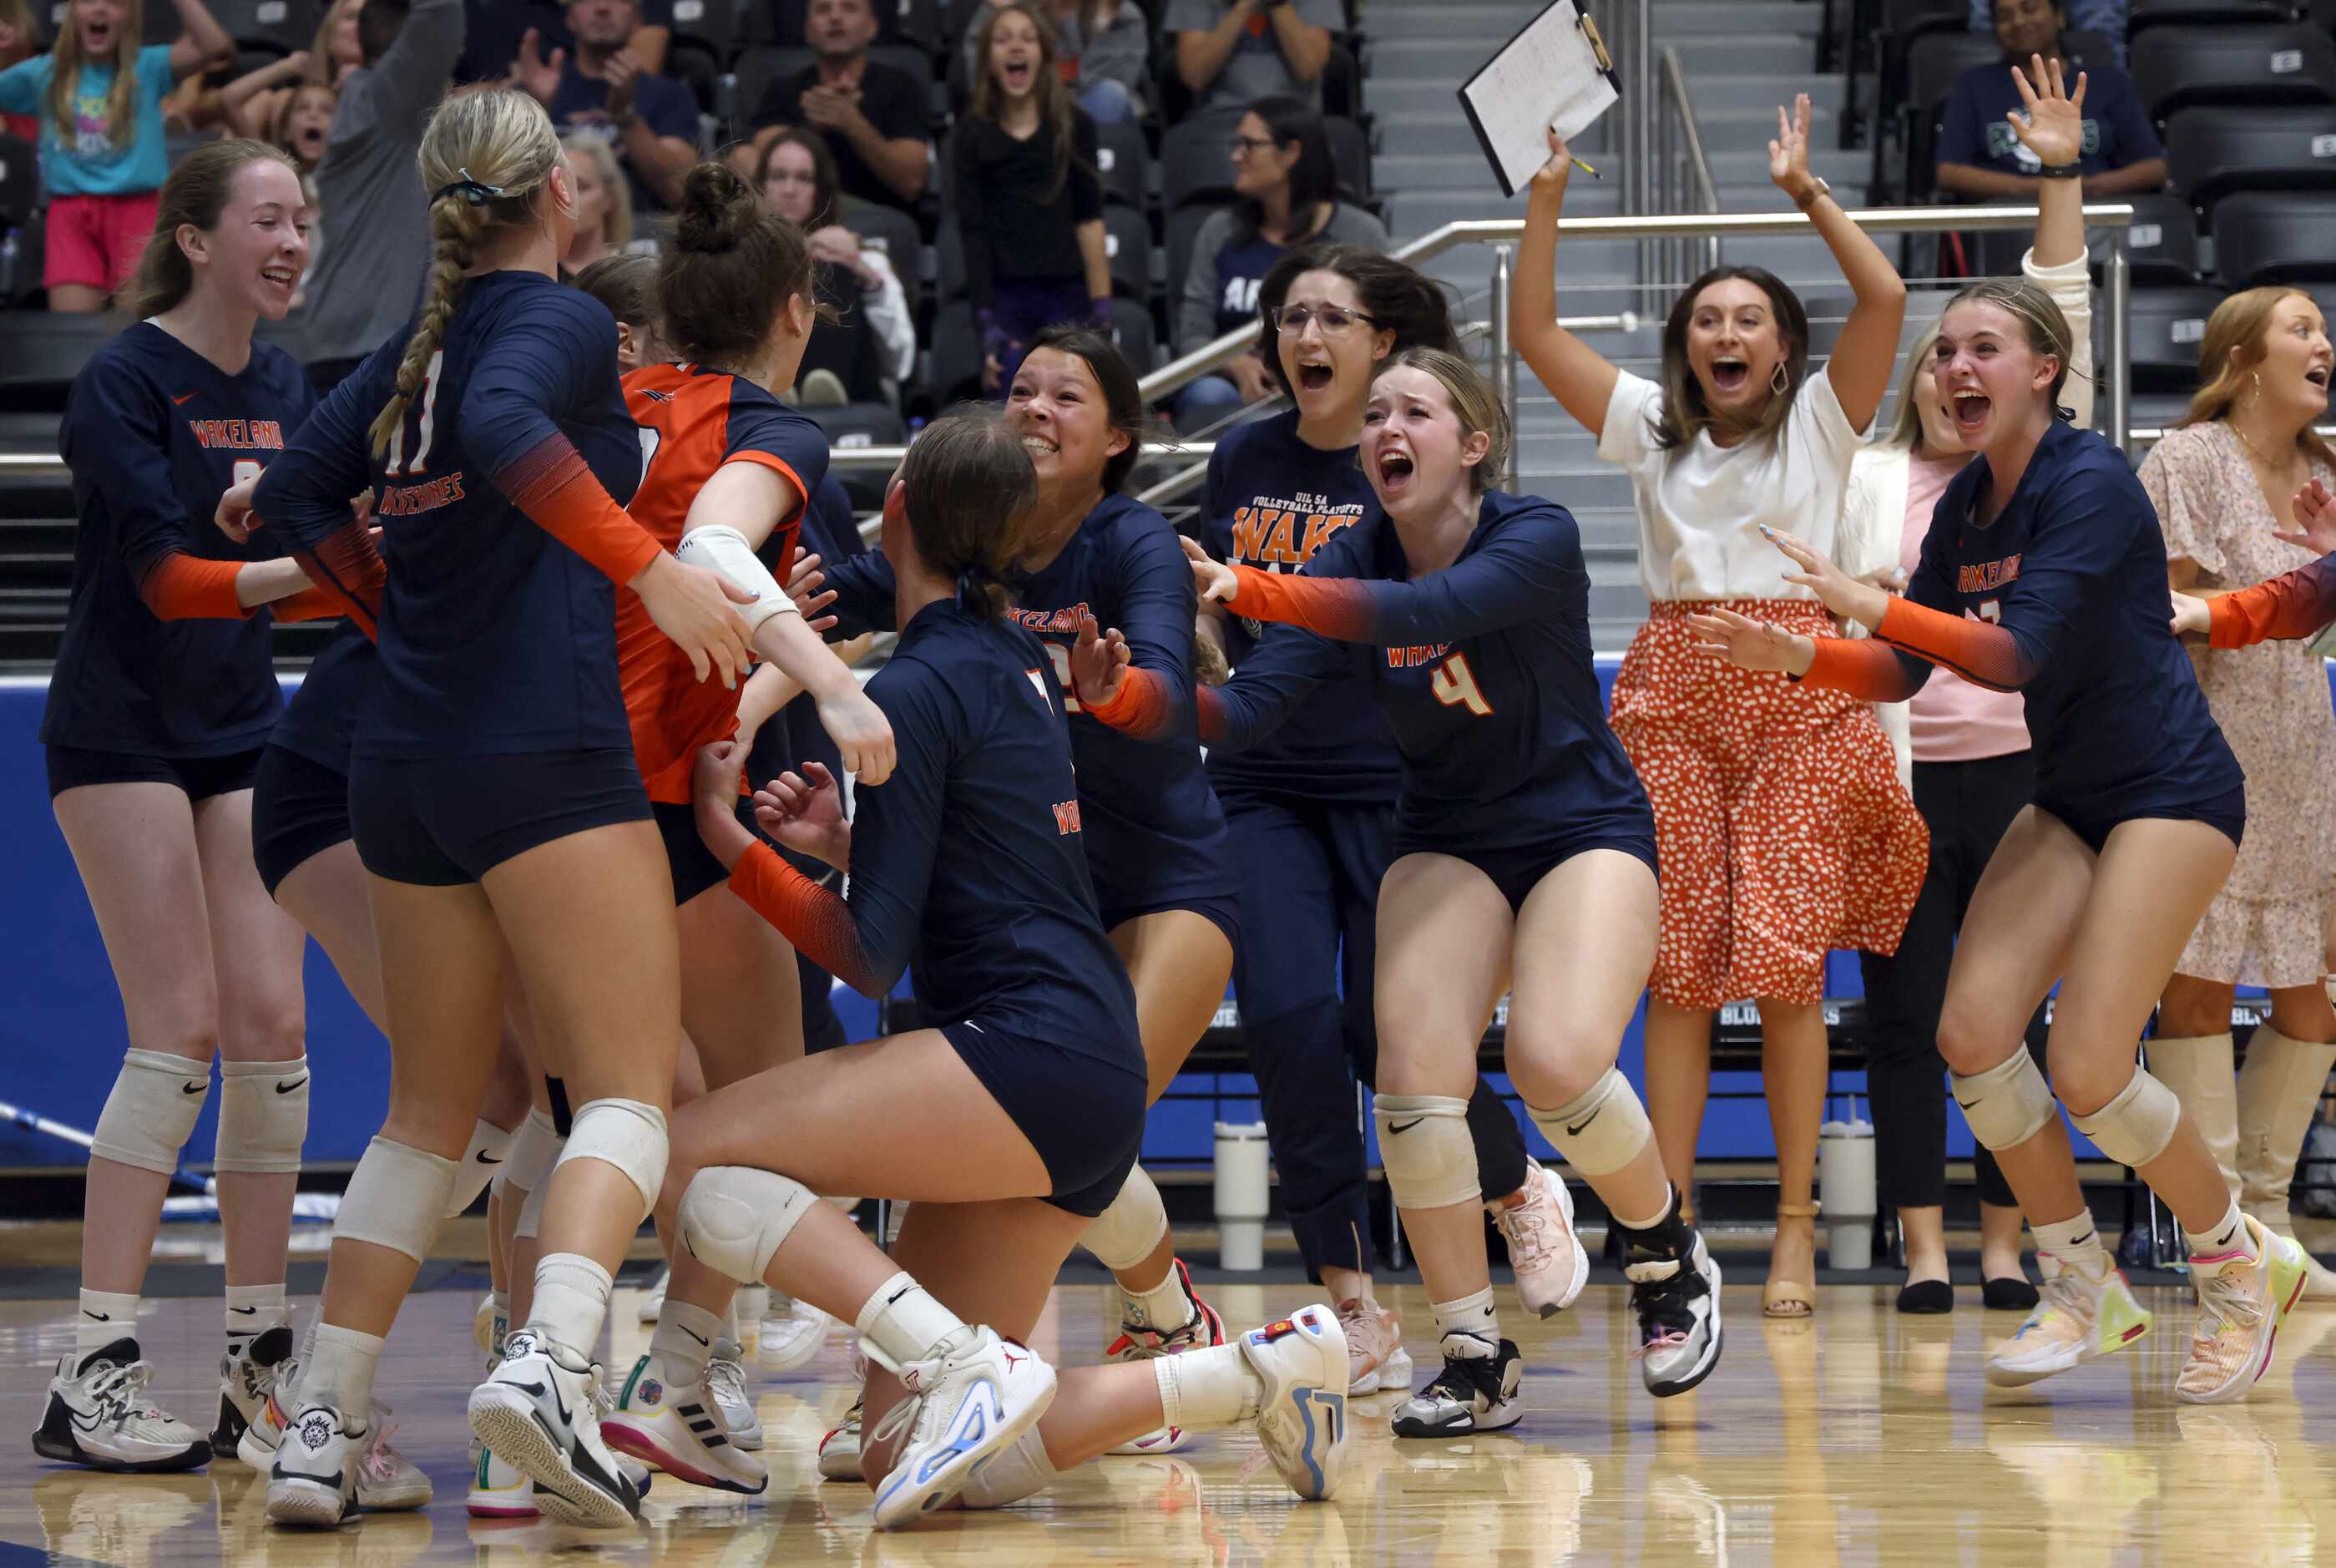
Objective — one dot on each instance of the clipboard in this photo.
(1555, 70)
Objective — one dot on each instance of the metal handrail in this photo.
(1675, 103)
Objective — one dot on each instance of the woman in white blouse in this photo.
(1971, 773)
(1782, 828)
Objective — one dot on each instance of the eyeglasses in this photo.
(1242, 146)
(1333, 319)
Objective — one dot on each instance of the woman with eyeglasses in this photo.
(1285, 190)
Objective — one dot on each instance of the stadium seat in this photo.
(20, 280)
(1350, 155)
(1183, 228)
(949, 262)
(1933, 61)
(2275, 236)
(1127, 244)
(716, 24)
(754, 72)
(282, 26)
(2144, 14)
(1193, 163)
(1131, 325)
(893, 232)
(46, 351)
(954, 368)
(2216, 150)
(2179, 67)
(1342, 84)
(1124, 161)
(2166, 327)
(857, 425)
(19, 180)
(697, 65)
(2161, 243)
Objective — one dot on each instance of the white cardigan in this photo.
(1873, 513)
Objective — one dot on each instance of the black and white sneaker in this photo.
(246, 1380)
(313, 1479)
(1476, 1392)
(1675, 1292)
(99, 1416)
(536, 1412)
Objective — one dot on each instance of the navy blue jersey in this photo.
(496, 634)
(966, 862)
(154, 434)
(1152, 830)
(320, 721)
(1482, 669)
(1271, 501)
(2062, 597)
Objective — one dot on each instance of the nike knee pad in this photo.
(1126, 1232)
(1020, 1470)
(527, 1165)
(1602, 1131)
(263, 1117)
(733, 1218)
(396, 1198)
(531, 1212)
(151, 1111)
(2134, 1129)
(2007, 1105)
(626, 1134)
(1425, 1151)
(490, 1147)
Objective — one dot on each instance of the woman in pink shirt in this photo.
(1971, 775)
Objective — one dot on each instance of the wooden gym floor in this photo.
(1860, 1437)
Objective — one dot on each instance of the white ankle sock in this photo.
(1163, 1309)
(1472, 1315)
(571, 1299)
(1206, 1389)
(684, 1340)
(339, 1373)
(2226, 1235)
(105, 1316)
(252, 1312)
(901, 1319)
(2075, 1244)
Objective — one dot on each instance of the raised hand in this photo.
(1749, 643)
(2053, 128)
(804, 812)
(2315, 519)
(1214, 579)
(533, 74)
(1835, 589)
(1549, 179)
(1788, 154)
(1098, 664)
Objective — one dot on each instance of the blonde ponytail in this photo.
(484, 155)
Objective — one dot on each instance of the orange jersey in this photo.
(693, 421)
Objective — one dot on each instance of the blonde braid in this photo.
(456, 227)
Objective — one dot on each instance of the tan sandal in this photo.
(1790, 1298)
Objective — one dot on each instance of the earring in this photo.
(1779, 382)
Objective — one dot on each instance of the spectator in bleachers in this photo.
(20, 40)
(604, 206)
(1106, 44)
(797, 177)
(1978, 156)
(1029, 197)
(337, 51)
(600, 88)
(303, 124)
(98, 95)
(375, 216)
(876, 120)
(1286, 195)
(497, 27)
(2105, 18)
(233, 104)
(1232, 52)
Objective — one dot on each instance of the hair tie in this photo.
(469, 189)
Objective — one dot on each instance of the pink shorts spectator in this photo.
(94, 240)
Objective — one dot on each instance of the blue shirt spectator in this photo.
(1979, 155)
(602, 88)
(2105, 18)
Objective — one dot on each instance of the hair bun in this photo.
(717, 209)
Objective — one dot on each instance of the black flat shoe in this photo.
(2010, 1294)
(1926, 1297)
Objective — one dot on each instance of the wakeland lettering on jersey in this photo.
(1414, 658)
(1271, 532)
(409, 500)
(1987, 576)
(1067, 817)
(1046, 620)
(238, 435)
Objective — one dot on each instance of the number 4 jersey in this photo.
(1482, 669)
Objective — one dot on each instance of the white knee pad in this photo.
(152, 1109)
(626, 1134)
(527, 1163)
(1426, 1150)
(1021, 1470)
(735, 1217)
(2007, 1105)
(490, 1147)
(263, 1117)
(396, 1198)
(530, 1223)
(723, 548)
(2134, 1129)
(1125, 1233)
(1602, 1131)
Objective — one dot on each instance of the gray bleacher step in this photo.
(1419, 19)
(1739, 49)
(1744, 85)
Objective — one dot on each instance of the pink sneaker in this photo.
(1543, 1249)
(1377, 1362)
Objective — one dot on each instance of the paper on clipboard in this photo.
(1554, 72)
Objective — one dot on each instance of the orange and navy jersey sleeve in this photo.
(1155, 607)
(2296, 604)
(761, 429)
(1864, 669)
(303, 494)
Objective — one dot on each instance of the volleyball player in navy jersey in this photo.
(161, 697)
(1156, 839)
(1313, 807)
(493, 792)
(1525, 858)
(1011, 1119)
(2044, 572)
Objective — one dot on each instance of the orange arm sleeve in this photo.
(1981, 654)
(1332, 607)
(1861, 667)
(815, 919)
(2296, 604)
(556, 488)
(182, 586)
(311, 603)
(348, 569)
(1142, 708)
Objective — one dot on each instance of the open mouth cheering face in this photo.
(1987, 375)
(1327, 342)
(1733, 345)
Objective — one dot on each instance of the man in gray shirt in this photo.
(1232, 52)
(375, 216)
